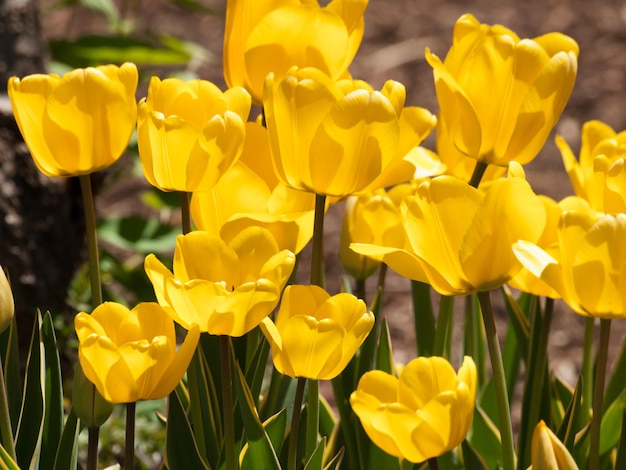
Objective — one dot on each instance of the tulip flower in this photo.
(225, 288)
(79, 123)
(264, 37)
(601, 149)
(250, 194)
(7, 305)
(589, 271)
(424, 413)
(190, 133)
(316, 335)
(548, 452)
(499, 95)
(131, 355)
(340, 138)
(458, 238)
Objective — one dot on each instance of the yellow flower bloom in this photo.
(601, 148)
(78, 123)
(264, 37)
(341, 138)
(250, 194)
(226, 289)
(548, 452)
(131, 355)
(459, 238)
(589, 271)
(316, 335)
(7, 304)
(190, 133)
(424, 413)
(528, 80)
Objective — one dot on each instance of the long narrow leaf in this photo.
(11, 366)
(423, 318)
(67, 453)
(6, 462)
(53, 417)
(567, 429)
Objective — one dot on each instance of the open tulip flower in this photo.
(459, 238)
(226, 289)
(340, 138)
(424, 413)
(263, 37)
(131, 355)
(78, 123)
(589, 271)
(250, 194)
(548, 452)
(190, 133)
(499, 95)
(316, 335)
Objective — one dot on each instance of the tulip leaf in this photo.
(260, 446)
(28, 442)
(518, 319)
(6, 462)
(566, 432)
(275, 428)
(617, 381)
(256, 367)
(367, 354)
(612, 424)
(423, 318)
(474, 338)
(620, 460)
(327, 418)
(138, 234)
(485, 438)
(67, 453)
(181, 451)
(385, 356)
(11, 364)
(563, 394)
(334, 463)
(316, 461)
(471, 458)
(443, 332)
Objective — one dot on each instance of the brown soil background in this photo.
(396, 33)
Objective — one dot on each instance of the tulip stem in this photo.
(477, 175)
(587, 372)
(444, 327)
(185, 211)
(96, 290)
(499, 381)
(5, 418)
(432, 464)
(227, 397)
(312, 417)
(598, 394)
(129, 451)
(295, 424)
(317, 254)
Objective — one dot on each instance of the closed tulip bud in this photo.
(499, 95)
(79, 123)
(548, 452)
(263, 37)
(190, 133)
(90, 406)
(224, 288)
(131, 355)
(316, 335)
(424, 413)
(7, 304)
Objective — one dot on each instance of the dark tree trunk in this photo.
(41, 229)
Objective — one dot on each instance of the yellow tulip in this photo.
(424, 413)
(225, 288)
(589, 271)
(7, 304)
(341, 138)
(499, 95)
(79, 123)
(131, 355)
(263, 37)
(316, 335)
(601, 149)
(250, 194)
(548, 452)
(459, 238)
(190, 133)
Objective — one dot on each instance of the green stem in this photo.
(96, 288)
(295, 425)
(444, 327)
(317, 255)
(499, 381)
(6, 429)
(227, 397)
(359, 289)
(129, 451)
(423, 318)
(587, 372)
(477, 175)
(185, 211)
(312, 418)
(598, 394)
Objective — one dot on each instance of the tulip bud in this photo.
(7, 306)
(548, 453)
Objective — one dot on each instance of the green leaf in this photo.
(28, 442)
(53, 417)
(612, 424)
(471, 458)
(385, 357)
(105, 7)
(518, 319)
(367, 354)
(617, 382)
(317, 457)
(260, 446)
(181, 451)
(424, 318)
(6, 462)
(485, 438)
(275, 428)
(67, 453)
(474, 338)
(138, 234)
(11, 364)
(566, 431)
(620, 460)
(335, 462)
